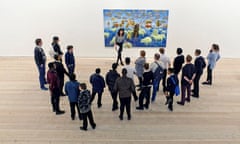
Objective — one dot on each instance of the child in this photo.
(166, 63)
(172, 82)
(72, 90)
(98, 85)
(84, 104)
(146, 88)
(69, 59)
(111, 78)
(139, 66)
(178, 61)
(56, 46)
(188, 75)
(54, 87)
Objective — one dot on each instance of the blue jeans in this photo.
(42, 79)
(156, 83)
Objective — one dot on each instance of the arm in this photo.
(66, 88)
(38, 57)
(67, 59)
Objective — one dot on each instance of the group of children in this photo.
(149, 75)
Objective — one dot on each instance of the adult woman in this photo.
(119, 40)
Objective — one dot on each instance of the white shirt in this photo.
(165, 61)
(154, 66)
(130, 71)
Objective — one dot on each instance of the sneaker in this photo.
(146, 106)
(180, 103)
(83, 129)
(121, 118)
(188, 100)
(129, 117)
(139, 108)
(94, 126)
(170, 108)
(60, 112)
(100, 105)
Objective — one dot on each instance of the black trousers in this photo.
(145, 93)
(125, 102)
(74, 105)
(99, 101)
(114, 98)
(61, 80)
(55, 100)
(196, 84)
(209, 74)
(164, 79)
(119, 57)
(140, 79)
(170, 99)
(88, 116)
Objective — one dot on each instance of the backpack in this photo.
(177, 88)
(158, 72)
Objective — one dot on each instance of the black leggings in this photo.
(119, 57)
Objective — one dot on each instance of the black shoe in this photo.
(206, 83)
(146, 106)
(63, 94)
(180, 103)
(114, 109)
(135, 98)
(60, 112)
(44, 88)
(170, 108)
(122, 64)
(129, 117)
(83, 129)
(94, 126)
(73, 118)
(195, 96)
(139, 108)
(188, 100)
(121, 118)
(167, 100)
(99, 105)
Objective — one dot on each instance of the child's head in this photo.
(170, 71)
(179, 51)
(124, 72)
(162, 50)
(70, 48)
(114, 66)
(189, 58)
(72, 77)
(83, 86)
(197, 52)
(127, 60)
(215, 47)
(57, 57)
(142, 53)
(38, 42)
(98, 70)
(146, 66)
(156, 56)
(55, 39)
(51, 65)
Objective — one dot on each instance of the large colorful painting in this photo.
(143, 28)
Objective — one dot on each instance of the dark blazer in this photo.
(69, 59)
(39, 56)
(60, 69)
(57, 48)
(111, 78)
(98, 83)
(170, 84)
(177, 64)
(199, 64)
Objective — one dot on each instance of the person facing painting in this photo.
(119, 40)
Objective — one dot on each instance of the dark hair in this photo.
(114, 66)
(50, 65)
(83, 86)
(198, 51)
(179, 51)
(124, 72)
(157, 56)
(127, 60)
(146, 66)
(189, 58)
(98, 70)
(56, 56)
(162, 50)
(38, 41)
(142, 53)
(55, 38)
(72, 77)
(121, 29)
(69, 47)
(171, 70)
(215, 47)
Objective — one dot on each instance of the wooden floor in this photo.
(26, 117)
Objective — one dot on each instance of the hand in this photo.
(190, 81)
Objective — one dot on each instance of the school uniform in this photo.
(40, 60)
(177, 63)
(70, 62)
(145, 90)
(172, 82)
(187, 71)
(57, 49)
(199, 64)
(125, 87)
(60, 72)
(72, 91)
(84, 104)
(111, 78)
(98, 85)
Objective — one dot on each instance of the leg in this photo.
(164, 80)
(140, 81)
(122, 104)
(85, 122)
(155, 88)
(93, 96)
(183, 90)
(170, 101)
(99, 99)
(196, 85)
(53, 103)
(90, 118)
(141, 97)
(210, 76)
(41, 76)
(128, 107)
(114, 98)
(72, 108)
(78, 110)
(188, 93)
(61, 86)
(147, 96)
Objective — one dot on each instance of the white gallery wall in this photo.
(192, 24)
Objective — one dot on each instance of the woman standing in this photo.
(119, 40)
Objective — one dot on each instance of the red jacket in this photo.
(53, 80)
